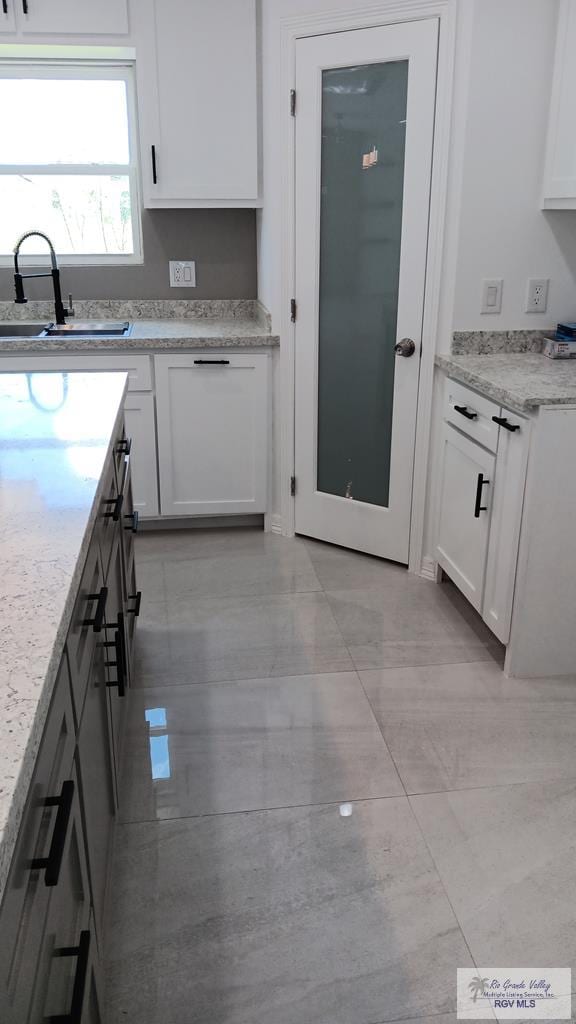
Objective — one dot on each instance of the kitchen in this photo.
(288, 646)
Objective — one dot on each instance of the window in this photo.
(68, 162)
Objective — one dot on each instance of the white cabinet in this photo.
(65, 17)
(212, 413)
(197, 90)
(559, 187)
(467, 476)
(141, 428)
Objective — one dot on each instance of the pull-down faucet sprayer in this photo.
(61, 312)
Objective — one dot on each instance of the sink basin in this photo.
(21, 330)
(87, 328)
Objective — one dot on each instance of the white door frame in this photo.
(385, 12)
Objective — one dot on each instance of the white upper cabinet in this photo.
(64, 17)
(197, 92)
(559, 191)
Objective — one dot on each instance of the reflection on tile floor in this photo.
(332, 797)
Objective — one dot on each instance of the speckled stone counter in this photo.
(519, 380)
(158, 335)
(53, 447)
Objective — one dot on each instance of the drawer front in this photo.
(26, 899)
(471, 413)
(109, 516)
(138, 367)
(85, 628)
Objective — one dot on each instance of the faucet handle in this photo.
(70, 311)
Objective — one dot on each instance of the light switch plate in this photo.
(182, 273)
(492, 295)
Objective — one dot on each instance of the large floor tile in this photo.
(412, 653)
(212, 639)
(339, 568)
(300, 916)
(193, 750)
(507, 858)
(462, 726)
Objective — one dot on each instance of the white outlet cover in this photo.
(182, 273)
(537, 294)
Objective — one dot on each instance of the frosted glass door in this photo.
(362, 177)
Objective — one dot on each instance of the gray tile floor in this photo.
(332, 797)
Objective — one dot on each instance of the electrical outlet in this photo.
(182, 273)
(492, 295)
(537, 295)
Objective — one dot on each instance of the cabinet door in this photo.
(73, 17)
(467, 473)
(212, 433)
(86, 625)
(559, 189)
(199, 111)
(96, 768)
(509, 482)
(140, 428)
(117, 664)
(7, 20)
(28, 889)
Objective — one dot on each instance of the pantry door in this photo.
(364, 131)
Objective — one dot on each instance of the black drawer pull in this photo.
(98, 619)
(124, 446)
(503, 422)
(25, 6)
(114, 514)
(121, 661)
(212, 362)
(82, 952)
(479, 507)
(5, 6)
(154, 168)
(53, 862)
(464, 411)
(133, 520)
(137, 598)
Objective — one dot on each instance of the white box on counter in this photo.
(556, 349)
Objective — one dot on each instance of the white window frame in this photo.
(86, 70)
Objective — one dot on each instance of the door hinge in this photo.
(292, 486)
(293, 102)
(293, 310)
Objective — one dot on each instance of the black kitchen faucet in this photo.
(61, 312)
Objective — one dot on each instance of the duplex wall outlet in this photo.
(492, 295)
(537, 295)
(182, 273)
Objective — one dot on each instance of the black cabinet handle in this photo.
(82, 952)
(134, 519)
(53, 862)
(464, 411)
(503, 422)
(135, 611)
(124, 446)
(154, 168)
(121, 661)
(25, 6)
(478, 507)
(212, 362)
(5, 6)
(98, 619)
(115, 512)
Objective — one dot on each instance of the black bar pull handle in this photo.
(137, 598)
(115, 512)
(464, 411)
(133, 519)
(121, 662)
(5, 6)
(503, 422)
(154, 167)
(212, 362)
(98, 619)
(53, 862)
(124, 446)
(82, 952)
(479, 507)
(25, 6)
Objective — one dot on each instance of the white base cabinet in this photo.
(65, 18)
(212, 414)
(140, 422)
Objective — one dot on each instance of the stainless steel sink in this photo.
(87, 329)
(21, 330)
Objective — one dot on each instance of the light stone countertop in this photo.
(520, 380)
(53, 447)
(157, 335)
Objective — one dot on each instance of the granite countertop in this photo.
(520, 380)
(154, 335)
(54, 441)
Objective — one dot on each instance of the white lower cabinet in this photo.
(481, 496)
(141, 428)
(212, 414)
(467, 476)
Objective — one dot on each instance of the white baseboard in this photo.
(429, 569)
(276, 524)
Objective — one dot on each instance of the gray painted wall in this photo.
(223, 243)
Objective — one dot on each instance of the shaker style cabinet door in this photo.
(212, 433)
(466, 480)
(197, 94)
(7, 19)
(559, 187)
(72, 17)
